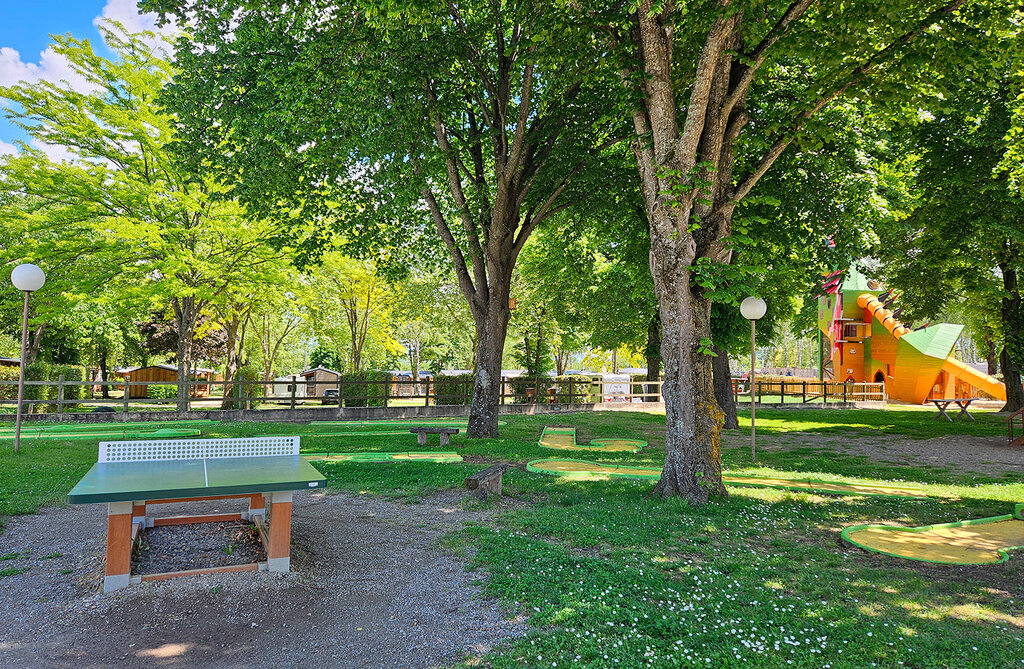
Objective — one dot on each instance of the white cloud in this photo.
(51, 66)
(55, 152)
(126, 12)
(6, 148)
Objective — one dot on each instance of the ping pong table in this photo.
(129, 476)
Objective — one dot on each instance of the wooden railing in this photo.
(62, 396)
(804, 391)
(1011, 439)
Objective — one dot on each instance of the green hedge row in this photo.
(454, 390)
(356, 392)
(44, 371)
(569, 389)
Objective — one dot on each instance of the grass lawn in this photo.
(608, 576)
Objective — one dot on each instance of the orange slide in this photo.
(968, 374)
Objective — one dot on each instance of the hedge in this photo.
(454, 390)
(43, 371)
(9, 392)
(356, 392)
(162, 391)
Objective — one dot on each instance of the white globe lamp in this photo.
(27, 278)
(753, 309)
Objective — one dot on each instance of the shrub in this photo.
(38, 371)
(9, 392)
(574, 389)
(356, 392)
(250, 390)
(72, 393)
(162, 391)
(454, 390)
(525, 388)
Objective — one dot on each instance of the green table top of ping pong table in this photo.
(172, 479)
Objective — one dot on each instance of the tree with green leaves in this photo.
(476, 120)
(719, 90)
(962, 244)
(147, 225)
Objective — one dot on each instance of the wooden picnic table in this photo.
(963, 402)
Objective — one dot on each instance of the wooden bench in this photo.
(486, 482)
(444, 434)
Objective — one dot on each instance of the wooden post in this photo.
(387, 391)
(292, 386)
(426, 393)
(845, 386)
(782, 391)
(280, 534)
(339, 392)
(803, 395)
(60, 396)
(127, 392)
(117, 572)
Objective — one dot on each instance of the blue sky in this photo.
(25, 27)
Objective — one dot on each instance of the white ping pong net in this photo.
(197, 449)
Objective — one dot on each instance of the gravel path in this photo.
(958, 453)
(369, 588)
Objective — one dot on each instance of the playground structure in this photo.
(980, 541)
(867, 343)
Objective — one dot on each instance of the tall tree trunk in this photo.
(36, 343)
(991, 353)
(693, 430)
(490, 333)
(1013, 337)
(185, 314)
(231, 328)
(104, 388)
(723, 388)
(652, 351)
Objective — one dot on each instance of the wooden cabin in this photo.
(164, 375)
(318, 380)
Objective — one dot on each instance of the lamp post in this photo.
(27, 278)
(753, 308)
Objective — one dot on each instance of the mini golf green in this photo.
(980, 541)
(82, 428)
(164, 433)
(410, 422)
(418, 456)
(584, 468)
(564, 439)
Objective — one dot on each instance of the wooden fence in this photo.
(804, 391)
(58, 396)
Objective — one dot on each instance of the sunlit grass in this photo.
(609, 576)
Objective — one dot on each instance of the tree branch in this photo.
(857, 75)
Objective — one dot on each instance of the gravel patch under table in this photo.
(369, 588)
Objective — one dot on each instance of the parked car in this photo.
(330, 396)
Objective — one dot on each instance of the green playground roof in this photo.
(858, 283)
(936, 341)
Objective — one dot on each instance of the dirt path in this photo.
(370, 589)
(958, 453)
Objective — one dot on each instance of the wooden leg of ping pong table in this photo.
(257, 506)
(280, 539)
(119, 546)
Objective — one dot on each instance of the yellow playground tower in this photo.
(866, 343)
